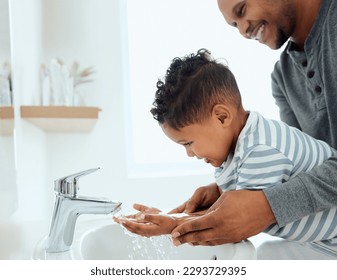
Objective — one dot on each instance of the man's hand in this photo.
(201, 199)
(235, 216)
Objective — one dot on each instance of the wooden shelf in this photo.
(6, 120)
(6, 112)
(61, 118)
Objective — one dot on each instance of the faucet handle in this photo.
(68, 185)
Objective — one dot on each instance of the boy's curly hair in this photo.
(193, 85)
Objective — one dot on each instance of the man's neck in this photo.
(307, 12)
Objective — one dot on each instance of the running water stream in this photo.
(148, 248)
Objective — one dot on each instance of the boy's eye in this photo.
(188, 144)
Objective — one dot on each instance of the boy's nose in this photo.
(190, 153)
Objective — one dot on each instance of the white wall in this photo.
(8, 189)
(4, 33)
(30, 141)
(157, 32)
(90, 32)
(95, 38)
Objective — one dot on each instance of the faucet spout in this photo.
(68, 207)
(66, 212)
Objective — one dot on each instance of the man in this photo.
(304, 85)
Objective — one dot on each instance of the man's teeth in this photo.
(259, 33)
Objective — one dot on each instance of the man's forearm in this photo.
(304, 194)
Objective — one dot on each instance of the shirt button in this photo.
(304, 63)
(310, 74)
(318, 90)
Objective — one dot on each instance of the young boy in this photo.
(198, 106)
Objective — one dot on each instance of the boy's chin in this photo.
(216, 164)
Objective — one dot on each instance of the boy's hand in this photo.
(143, 209)
(149, 224)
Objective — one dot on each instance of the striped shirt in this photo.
(268, 153)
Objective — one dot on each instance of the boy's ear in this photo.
(223, 114)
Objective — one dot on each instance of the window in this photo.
(158, 31)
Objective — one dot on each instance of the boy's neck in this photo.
(240, 122)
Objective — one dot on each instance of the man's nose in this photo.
(243, 27)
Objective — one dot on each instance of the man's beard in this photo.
(281, 38)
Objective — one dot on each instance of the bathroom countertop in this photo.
(274, 248)
(24, 237)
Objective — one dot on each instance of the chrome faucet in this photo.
(68, 206)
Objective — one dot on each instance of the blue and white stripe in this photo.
(269, 153)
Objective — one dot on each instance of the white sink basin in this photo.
(103, 239)
(111, 242)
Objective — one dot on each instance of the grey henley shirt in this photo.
(304, 85)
